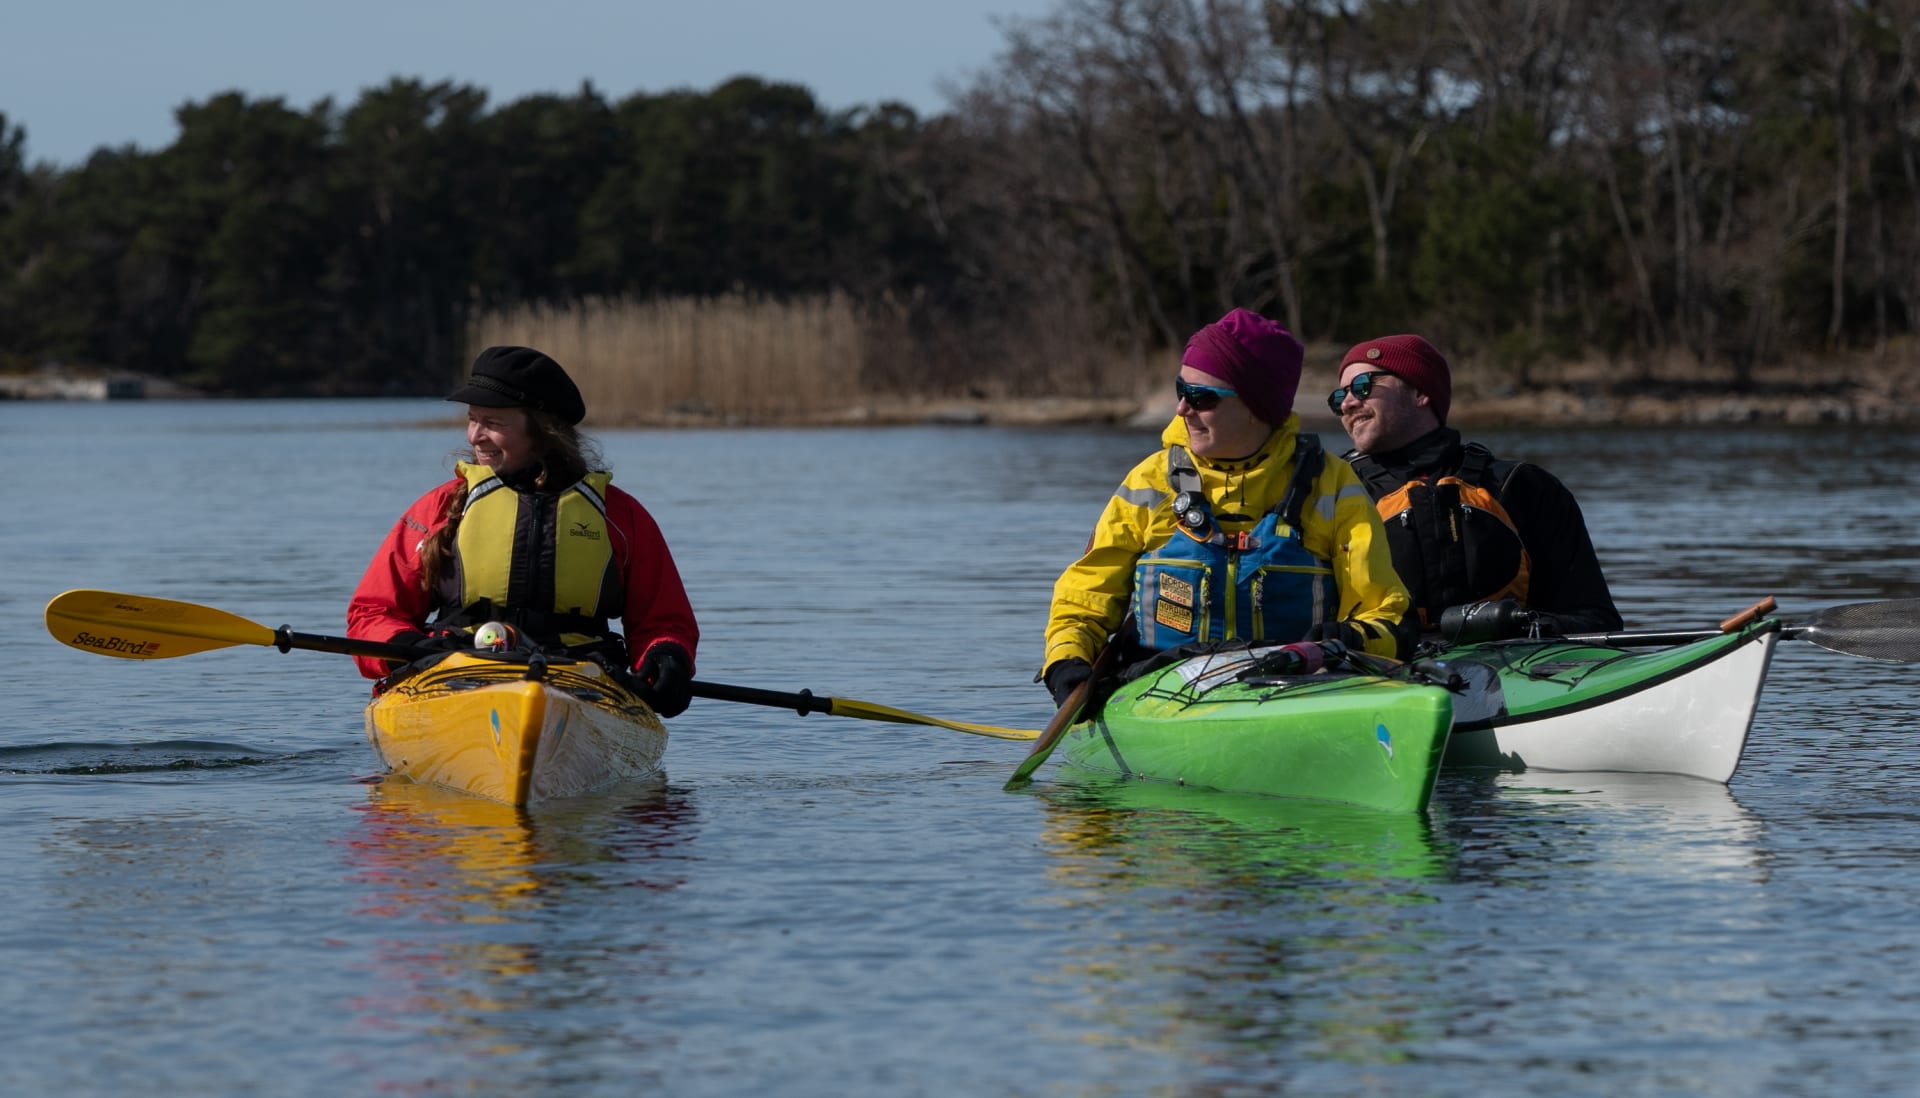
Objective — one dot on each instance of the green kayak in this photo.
(1237, 720)
(1251, 720)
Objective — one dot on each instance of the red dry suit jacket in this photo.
(390, 600)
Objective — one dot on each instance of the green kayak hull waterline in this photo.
(1357, 739)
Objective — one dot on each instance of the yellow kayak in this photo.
(514, 728)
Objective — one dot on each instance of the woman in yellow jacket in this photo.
(1239, 528)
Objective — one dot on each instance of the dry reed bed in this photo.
(737, 360)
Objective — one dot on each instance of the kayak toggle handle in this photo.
(1438, 673)
(1748, 616)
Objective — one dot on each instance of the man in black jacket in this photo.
(1464, 526)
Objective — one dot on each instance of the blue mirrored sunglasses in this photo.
(1361, 387)
(1200, 397)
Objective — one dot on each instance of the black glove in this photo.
(1346, 632)
(665, 679)
(440, 640)
(1484, 621)
(1064, 675)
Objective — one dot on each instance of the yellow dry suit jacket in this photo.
(1339, 525)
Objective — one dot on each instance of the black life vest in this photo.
(1452, 540)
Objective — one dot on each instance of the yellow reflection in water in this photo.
(430, 851)
(483, 903)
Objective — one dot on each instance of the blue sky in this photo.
(81, 74)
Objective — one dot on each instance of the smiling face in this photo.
(500, 438)
(1389, 417)
(1226, 431)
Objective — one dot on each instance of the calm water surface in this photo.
(210, 890)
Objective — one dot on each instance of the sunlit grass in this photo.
(729, 357)
(738, 359)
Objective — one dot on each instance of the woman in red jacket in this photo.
(531, 532)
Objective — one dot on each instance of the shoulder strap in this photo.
(1479, 466)
(1309, 458)
(1182, 474)
(1372, 474)
(1474, 459)
(1183, 477)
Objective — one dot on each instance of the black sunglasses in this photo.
(1361, 387)
(1200, 397)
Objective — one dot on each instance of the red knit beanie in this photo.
(1412, 360)
(1257, 358)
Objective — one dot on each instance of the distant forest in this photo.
(1734, 184)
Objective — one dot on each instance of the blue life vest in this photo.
(1207, 585)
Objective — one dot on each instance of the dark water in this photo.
(209, 890)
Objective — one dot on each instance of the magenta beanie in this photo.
(1412, 360)
(1257, 358)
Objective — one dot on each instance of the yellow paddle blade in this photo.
(847, 707)
(140, 627)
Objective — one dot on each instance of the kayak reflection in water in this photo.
(1464, 526)
(530, 532)
(1240, 527)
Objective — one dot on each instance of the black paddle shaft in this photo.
(286, 640)
(803, 703)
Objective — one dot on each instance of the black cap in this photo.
(521, 377)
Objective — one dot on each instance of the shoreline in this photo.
(1542, 408)
(1582, 395)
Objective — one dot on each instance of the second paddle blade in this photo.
(1887, 630)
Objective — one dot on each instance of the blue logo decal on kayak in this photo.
(1385, 737)
(495, 714)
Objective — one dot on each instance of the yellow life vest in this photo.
(542, 560)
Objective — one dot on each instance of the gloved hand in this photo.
(1484, 621)
(440, 640)
(1346, 632)
(665, 678)
(1064, 675)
